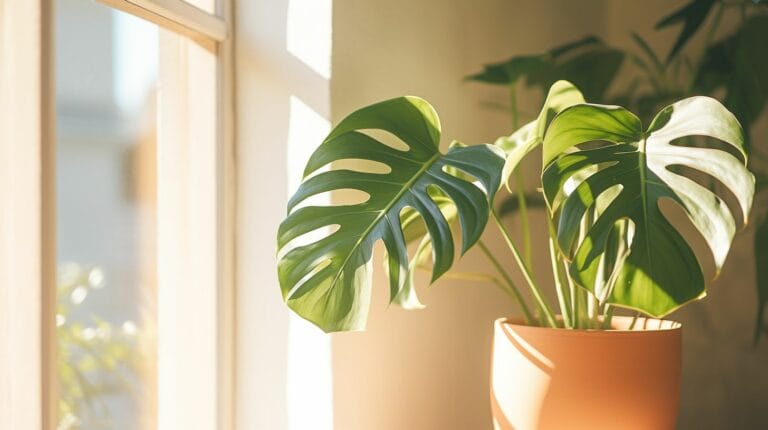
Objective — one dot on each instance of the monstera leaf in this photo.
(562, 94)
(660, 271)
(328, 281)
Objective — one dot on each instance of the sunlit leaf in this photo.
(660, 272)
(561, 95)
(328, 281)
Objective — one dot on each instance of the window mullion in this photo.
(27, 199)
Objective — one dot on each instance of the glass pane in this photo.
(107, 71)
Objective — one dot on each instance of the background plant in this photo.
(604, 174)
(610, 245)
(96, 359)
(732, 68)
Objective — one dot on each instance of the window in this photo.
(124, 208)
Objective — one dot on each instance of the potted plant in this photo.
(611, 247)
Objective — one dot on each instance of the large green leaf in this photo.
(328, 280)
(640, 168)
(562, 94)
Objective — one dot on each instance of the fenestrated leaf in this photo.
(660, 272)
(561, 95)
(761, 268)
(692, 15)
(328, 281)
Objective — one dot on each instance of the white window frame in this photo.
(28, 397)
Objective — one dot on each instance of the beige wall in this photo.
(428, 369)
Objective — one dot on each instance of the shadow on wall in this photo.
(283, 70)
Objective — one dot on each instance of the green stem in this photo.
(578, 317)
(608, 317)
(512, 288)
(527, 274)
(593, 310)
(634, 321)
(583, 314)
(525, 225)
(573, 294)
(563, 297)
(513, 105)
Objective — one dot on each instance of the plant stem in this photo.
(519, 182)
(508, 279)
(608, 318)
(525, 224)
(586, 321)
(592, 308)
(634, 321)
(578, 318)
(563, 297)
(513, 105)
(527, 274)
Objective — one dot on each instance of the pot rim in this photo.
(643, 325)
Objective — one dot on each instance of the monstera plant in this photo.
(604, 175)
(728, 64)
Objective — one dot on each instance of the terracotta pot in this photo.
(543, 378)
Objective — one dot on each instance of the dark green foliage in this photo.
(761, 268)
(587, 63)
(739, 65)
(692, 16)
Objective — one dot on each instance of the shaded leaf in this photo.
(510, 71)
(569, 47)
(592, 71)
(739, 64)
(761, 267)
(511, 204)
(648, 51)
(588, 63)
(692, 15)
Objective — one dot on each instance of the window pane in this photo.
(107, 71)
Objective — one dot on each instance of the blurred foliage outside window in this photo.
(96, 359)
